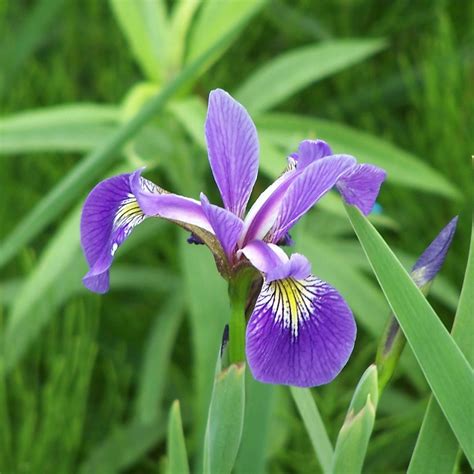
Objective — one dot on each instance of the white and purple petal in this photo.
(360, 187)
(233, 150)
(301, 332)
(226, 226)
(109, 215)
(155, 202)
(308, 187)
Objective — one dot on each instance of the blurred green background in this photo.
(86, 381)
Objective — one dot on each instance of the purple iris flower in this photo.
(301, 331)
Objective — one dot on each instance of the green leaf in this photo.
(436, 448)
(259, 407)
(95, 163)
(444, 365)
(122, 448)
(215, 24)
(181, 19)
(177, 458)
(145, 25)
(225, 420)
(402, 168)
(314, 426)
(72, 127)
(156, 359)
(353, 439)
(208, 311)
(285, 75)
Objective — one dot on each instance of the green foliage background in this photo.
(93, 390)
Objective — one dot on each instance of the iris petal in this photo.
(109, 215)
(301, 333)
(233, 149)
(360, 187)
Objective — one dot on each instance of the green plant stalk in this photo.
(391, 347)
(239, 287)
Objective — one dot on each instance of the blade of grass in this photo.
(156, 359)
(300, 67)
(314, 426)
(444, 365)
(436, 448)
(176, 447)
(72, 127)
(98, 160)
(145, 25)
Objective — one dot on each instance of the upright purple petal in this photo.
(310, 185)
(264, 211)
(301, 333)
(226, 225)
(431, 260)
(361, 186)
(233, 150)
(155, 202)
(109, 215)
(310, 151)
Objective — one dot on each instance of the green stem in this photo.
(238, 294)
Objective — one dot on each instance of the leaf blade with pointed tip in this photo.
(444, 365)
(285, 75)
(176, 447)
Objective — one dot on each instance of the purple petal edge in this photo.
(233, 150)
(306, 349)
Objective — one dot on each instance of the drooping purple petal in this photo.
(360, 187)
(310, 151)
(431, 260)
(109, 215)
(155, 202)
(301, 333)
(233, 149)
(308, 187)
(274, 263)
(226, 225)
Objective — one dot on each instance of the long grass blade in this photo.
(444, 365)
(436, 448)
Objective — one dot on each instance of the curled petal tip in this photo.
(431, 260)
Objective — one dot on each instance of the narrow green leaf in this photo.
(402, 167)
(122, 448)
(353, 439)
(314, 426)
(285, 75)
(225, 420)
(72, 127)
(436, 448)
(156, 359)
(95, 163)
(444, 365)
(259, 407)
(181, 19)
(208, 311)
(145, 25)
(215, 24)
(177, 458)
